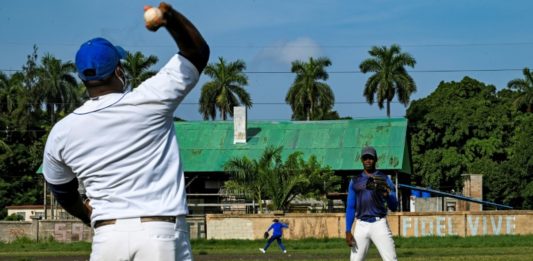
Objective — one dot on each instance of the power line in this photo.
(342, 46)
(284, 103)
(467, 70)
(409, 71)
(254, 103)
(281, 45)
(359, 72)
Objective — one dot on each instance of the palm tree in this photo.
(270, 177)
(11, 93)
(287, 182)
(4, 85)
(525, 90)
(390, 77)
(136, 67)
(57, 86)
(225, 90)
(4, 80)
(16, 102)
(249, 176)
(309, 98)
(5, 150)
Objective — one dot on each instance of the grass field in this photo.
(506, 248)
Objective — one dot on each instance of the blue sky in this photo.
(449, 39)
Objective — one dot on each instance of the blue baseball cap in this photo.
(97, 59)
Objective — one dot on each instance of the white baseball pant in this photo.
(380, 234)
(131, 239)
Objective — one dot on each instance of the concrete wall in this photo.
(11, 230)
(301, 225)
(71, 230)
(463, 223)
(64, 230)
(405, 224)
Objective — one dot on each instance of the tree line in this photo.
(465, 127)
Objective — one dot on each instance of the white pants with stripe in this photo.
(130, 239)
(379, 233)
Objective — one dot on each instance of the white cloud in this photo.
(287, 52)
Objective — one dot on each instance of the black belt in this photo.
(169, 219)
(372, 219)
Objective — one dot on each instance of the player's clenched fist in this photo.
(154, 17)
(350, 240)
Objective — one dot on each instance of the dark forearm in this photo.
(78, 210)
(68, 197)
(190, 42)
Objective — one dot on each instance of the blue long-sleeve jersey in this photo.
(363, 203)
(278, 228)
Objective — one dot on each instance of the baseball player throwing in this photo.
(121, 146)
(369, 194)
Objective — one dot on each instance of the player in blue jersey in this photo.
(367, 204)
(276, 235)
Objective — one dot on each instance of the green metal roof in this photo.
(205, 146)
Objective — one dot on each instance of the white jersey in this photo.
(123, 147)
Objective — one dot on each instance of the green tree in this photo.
(30, 71)
(57, 86)
(390, 77)
(9, 94)
(525, 90)
(286, 181)
(249, 176)
(16, 103)
(225, 90)
(462, 127)
(29, 111)
(23, 125)
(4, 81)
(310, 98)
(136, 67)
(513, 182)
(280, 181)
(300, 178)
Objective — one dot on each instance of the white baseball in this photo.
(153, 15)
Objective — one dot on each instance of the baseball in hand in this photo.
(153, 17)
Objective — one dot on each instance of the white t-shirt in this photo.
(123, 147)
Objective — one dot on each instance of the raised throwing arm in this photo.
(190, 42)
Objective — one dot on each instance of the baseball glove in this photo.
(378, 183)
(266, 235)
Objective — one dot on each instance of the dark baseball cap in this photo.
(368, 151)
(97, 59)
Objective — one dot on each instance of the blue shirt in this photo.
(364, 203)
(278, 228)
